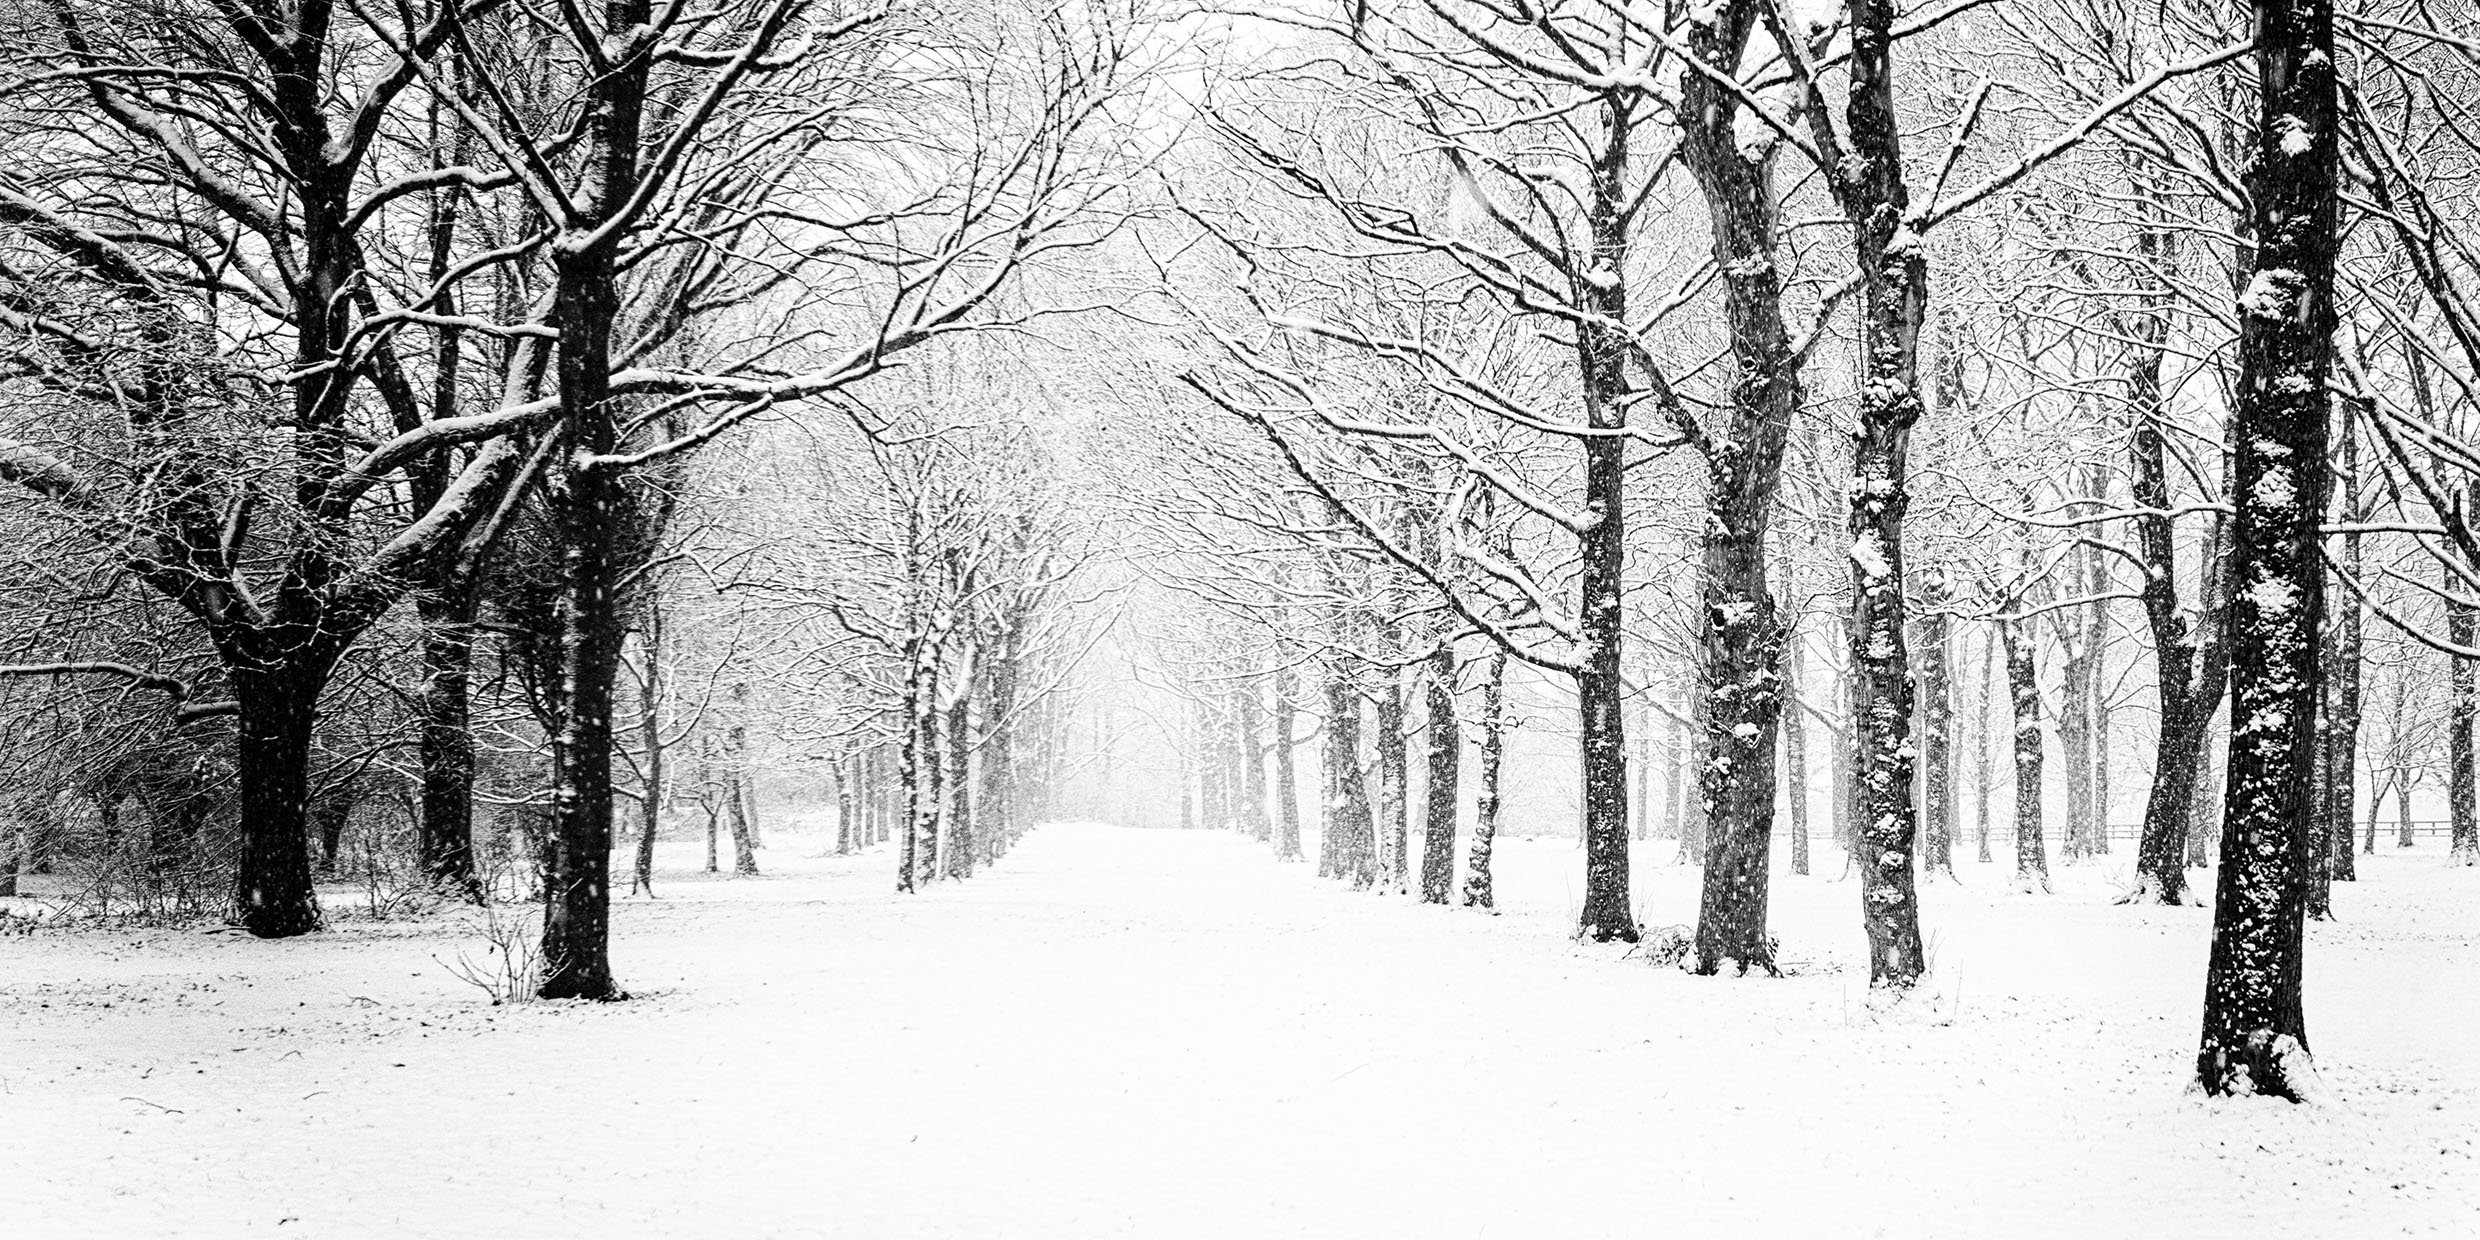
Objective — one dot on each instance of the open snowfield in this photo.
(1163, 1034)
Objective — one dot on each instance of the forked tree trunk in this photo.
(1446, 756)
(2402, 812)
(588, 515)
(2188, 671)
(1477, 884)
(736, 817)
(2255, 1028)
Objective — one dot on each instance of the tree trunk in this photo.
(931, 805)
(2024, 691)
(1001, 794)
(1250, 712)
(2255, 1030)
(961, 848)
(1603, 346)
(2376, 807)
(911, 758)
(1477, 887)
(1286, 772)
(1394, 791)
(333, 813)
(1681, 788)
(1740, 632)
(2343, 711)
(1446, 756)
(2204, 820)
(843, 805)
(1213, 799)
(1937, 716)
(1348, 827)
(650, 739)
(2075, 737)
(272, 896)
(1696, 825)
(2462, 789)
(1894, 273)
(447, 755)
(1795, 753)
(1640, 776)
(1984, 766)
(736, 816)
(710, 803)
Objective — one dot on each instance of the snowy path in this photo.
(1143, 1034)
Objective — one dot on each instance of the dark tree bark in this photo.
(2188, 666)
(2024, 692)
(2339, 718)
(447, 755)
(273, 896)
(1602, 348)
(1738, 625)
(333, 813)
(2462, 788)
(1477, 888)
(2255, 1030)
(650, 739)
(1446, 756)
(912, 758)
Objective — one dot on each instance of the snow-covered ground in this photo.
(1155, 1034)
